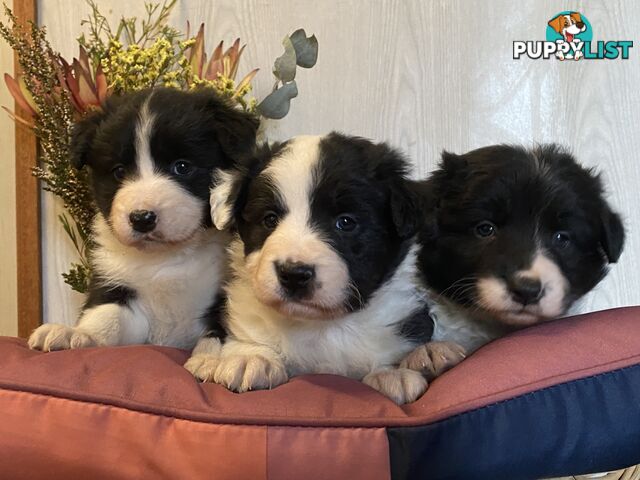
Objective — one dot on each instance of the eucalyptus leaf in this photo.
(285, 66)
(306, 48)
(276, 104)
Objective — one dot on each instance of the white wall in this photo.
(424, 75)
(8, 287)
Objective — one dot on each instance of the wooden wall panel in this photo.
(424, 75)
(27, 211)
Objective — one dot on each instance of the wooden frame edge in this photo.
(28, 248)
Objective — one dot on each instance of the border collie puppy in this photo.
(513, 237)
(323, 269)
(157, 266)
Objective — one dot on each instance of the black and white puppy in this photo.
(157, 266)
(513, 237)
(323, 269)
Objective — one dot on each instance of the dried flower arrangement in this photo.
(134, 55)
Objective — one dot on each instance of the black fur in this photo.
(418, 327)
(212, 318)
(353, 176)
(199, 127)
(368, 182)
(101, 293)
(529, 196)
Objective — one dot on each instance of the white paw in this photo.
(250, 372)
(203, 366)
(52, 336)
(434, 358)
(399, 384)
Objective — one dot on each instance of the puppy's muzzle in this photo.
(525, 290)
(143, 221)
(295, 278)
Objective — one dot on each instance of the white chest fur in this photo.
(173, 287)
(353, 345)
(459, 326)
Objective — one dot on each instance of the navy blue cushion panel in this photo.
(581, 426)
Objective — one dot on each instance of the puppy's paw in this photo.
(434, 358)
(52, 336)
(203, 366)
(399, 384)
(250, 372)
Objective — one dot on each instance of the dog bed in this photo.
(557, 399)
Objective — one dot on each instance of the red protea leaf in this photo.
(246, 80)
(102, 87)
(17, 92)
(214, 68)
(235, 62)
(18, 119)
(86, 89)
(197, 53)
(84, 61)
(217, 53)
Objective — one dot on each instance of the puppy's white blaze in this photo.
(294, 240)
(553, 282)
(179, 213)
(494, 295)
(292, 175)
(144, 129)
(220, 208)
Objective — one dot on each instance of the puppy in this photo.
(323, 266)
(157, 266)
(512, 237)
(568, 26)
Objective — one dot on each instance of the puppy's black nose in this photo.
(295, 277)
(580, 25)
(525, 290)
(143, 221)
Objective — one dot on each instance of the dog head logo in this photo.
(569, 36)
(572, 28)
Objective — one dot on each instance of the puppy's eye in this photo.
(182, 168)
(118, 172)
(346, 223)
(485, 229)
(561, 239)
(270, 220)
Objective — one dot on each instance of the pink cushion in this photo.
(77, 409)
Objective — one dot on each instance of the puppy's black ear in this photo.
(235, 129)
(612, 234)
(453, 165)
(82, 136)
(405, 208)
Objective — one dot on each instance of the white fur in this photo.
(494, 296)
(173, 288)
(178, 212)
(220, 208)
(472, 329)
(353, 345)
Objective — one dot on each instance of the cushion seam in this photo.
(241, 422)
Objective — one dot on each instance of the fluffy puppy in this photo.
(512, 237)
(323, 269)
(157, 266)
